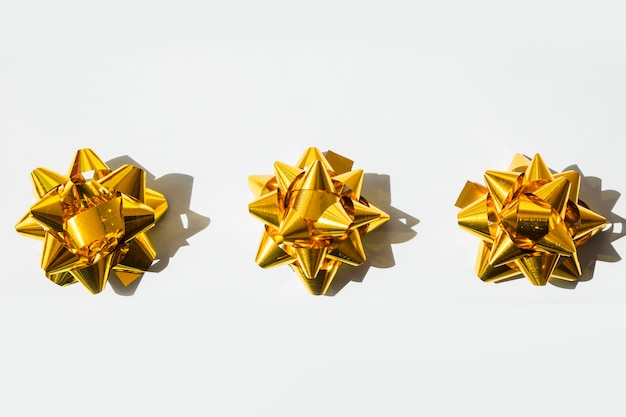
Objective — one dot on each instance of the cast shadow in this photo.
(173, 229)
(399, 229)
(599, 247)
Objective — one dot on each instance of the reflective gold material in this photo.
(93, 221)
(530, 222)
(314, 217)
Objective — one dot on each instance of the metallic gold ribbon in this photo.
(93, 221)
(314, 217)
(530, 222)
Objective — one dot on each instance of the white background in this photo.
(425, 94)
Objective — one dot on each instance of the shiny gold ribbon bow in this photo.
(314, 217)
(530, 222)
(93, 220)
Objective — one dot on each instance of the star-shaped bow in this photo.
(93, 220)
(530, 222)
(314, 217)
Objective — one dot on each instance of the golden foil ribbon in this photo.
(530, 222)
(92, 221)
(314, 216)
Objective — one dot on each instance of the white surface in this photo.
(428, 93)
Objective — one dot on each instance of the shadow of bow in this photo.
(399, 229)
(177, 225)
